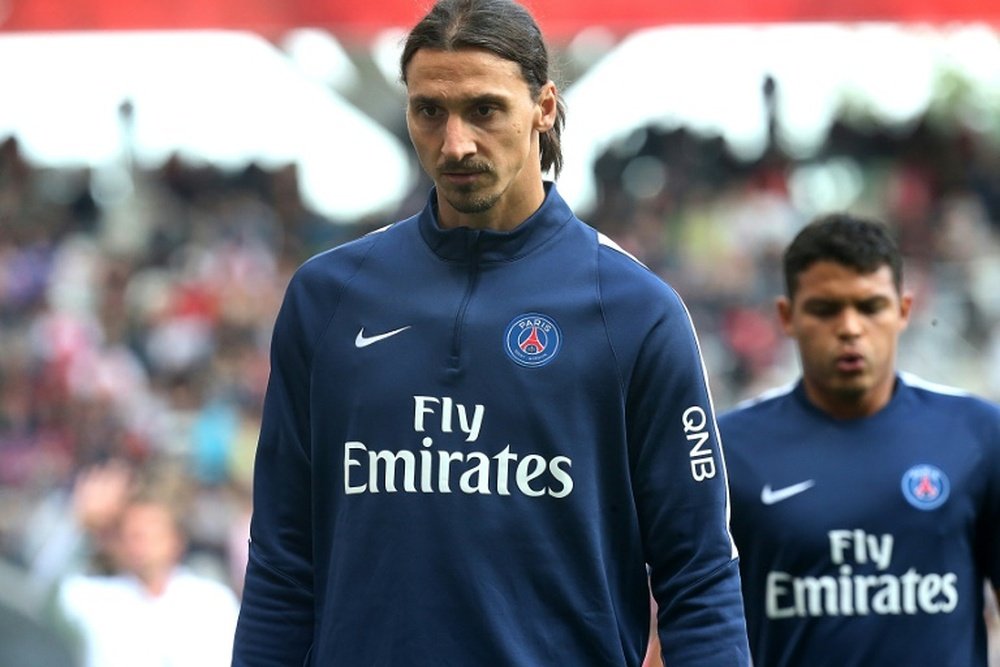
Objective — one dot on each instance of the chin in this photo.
(852, 390)
(473, 203)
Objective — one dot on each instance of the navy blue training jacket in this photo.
(473, 443)
(865, 542)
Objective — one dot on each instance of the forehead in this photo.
(464, 72)
(147, 515)
(834, 281)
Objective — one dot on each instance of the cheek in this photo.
(418, 142)
(516, 136)
(887, 338)
(421, 138)
(508, 141)
(806, 343)
(804, 335)
(809, 341)
(425, 152)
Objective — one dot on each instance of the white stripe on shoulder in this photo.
(380, 229)
(606, 240)
(920, 383)
(774, 392)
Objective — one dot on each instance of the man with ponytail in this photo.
(485, 422)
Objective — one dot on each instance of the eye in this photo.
(485, 110)
(426, 111)
(822, 309)
(872, 306)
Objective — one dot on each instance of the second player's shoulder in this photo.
(766, 407)
(931, 400)
(761, 426)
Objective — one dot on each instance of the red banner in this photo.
(560, 19)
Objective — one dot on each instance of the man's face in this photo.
(149, 541)
(847, 328)
(475, 127)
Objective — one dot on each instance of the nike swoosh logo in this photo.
(770, 496)
(364, 341)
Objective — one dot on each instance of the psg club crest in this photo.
(926, 487)
(532, 340)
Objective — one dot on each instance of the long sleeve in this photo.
(276, 617)
(680, 487)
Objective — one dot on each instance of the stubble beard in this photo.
(473, 203)
(850, 388)
(472, 198)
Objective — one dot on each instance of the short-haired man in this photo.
(866, 503)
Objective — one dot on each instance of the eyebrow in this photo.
(488, 98)
(822, 300)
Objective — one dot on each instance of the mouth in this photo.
(460, 178)
(463, 174)
(850, 362)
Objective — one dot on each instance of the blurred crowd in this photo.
(136, 307)
(715, 227)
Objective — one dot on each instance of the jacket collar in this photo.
(465, 243)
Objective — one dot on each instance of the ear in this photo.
(547, 107)
(905, 307)
(784, 307)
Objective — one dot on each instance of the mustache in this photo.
(466, 167)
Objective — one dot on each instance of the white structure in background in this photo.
(709, 79)
(320, 57)
(225, 98)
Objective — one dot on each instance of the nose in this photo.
(459, 140)
(850, 324)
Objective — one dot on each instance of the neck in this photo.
(155, 583)
(850, 405)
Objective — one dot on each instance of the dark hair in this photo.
(860, 243)
(504, 28)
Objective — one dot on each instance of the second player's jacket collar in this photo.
(901, 393)
(462, 243)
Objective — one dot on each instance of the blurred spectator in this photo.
(148, 609)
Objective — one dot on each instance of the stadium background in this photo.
(157, 189)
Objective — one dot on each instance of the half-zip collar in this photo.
(493, 246)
